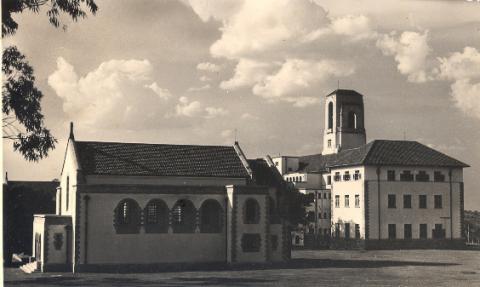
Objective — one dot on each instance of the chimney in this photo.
(71, 136)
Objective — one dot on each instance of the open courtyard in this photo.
(307, 268)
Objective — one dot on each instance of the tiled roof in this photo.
(109, 158)
(263, 174)
(381, 152)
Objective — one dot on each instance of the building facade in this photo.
(127, 206)
(381, 194)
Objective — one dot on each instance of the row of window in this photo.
(421, 176)
(347, 230)
(347, 200)
(295, 179)
(437, 233)
(346, 176)
(422, 201)
(183, 217)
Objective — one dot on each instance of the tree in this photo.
(22, 115)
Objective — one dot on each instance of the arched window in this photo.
(156, 216)
(251, 212)
(183, 217)
(352, 120)
(210, 217)
(330, 115)
(127, 216)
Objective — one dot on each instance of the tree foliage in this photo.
(22, 114)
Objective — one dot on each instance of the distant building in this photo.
(129, 205)
(384, 194)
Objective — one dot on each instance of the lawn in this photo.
(313, 268)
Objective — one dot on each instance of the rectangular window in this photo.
(406, 175)
(347, 230)
(337, 230)
(347, 200)
(438, 201)
(67, 191)
(337, 200)
(357, 175)
(438, 232)
(438, 176)
(329, 143)
(423, 231)
(346, 176)
(329, 179)
(407, 231)
(357, 200)
(391, 175)
(407, 201)
(392, 231)
(422, 201)
(325, 195)
(392, 201)
(357, 231)
(337, 176)
(422, 176)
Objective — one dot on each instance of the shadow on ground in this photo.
(92, 280)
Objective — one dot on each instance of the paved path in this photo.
(308, 268)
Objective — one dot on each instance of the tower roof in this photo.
(344, 92)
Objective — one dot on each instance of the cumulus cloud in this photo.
(463, 69)
(358, 27)
(117, 93)
(120, 94)
(208, 67)
(410, 51)
(296, 75)
(190, 109)
(162, 93)
(247, 73)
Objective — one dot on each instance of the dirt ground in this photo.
(308, 268)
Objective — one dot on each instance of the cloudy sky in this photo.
(193, 72)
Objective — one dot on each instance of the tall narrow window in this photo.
(127, 217)
(347, 200)
(67, 193)
(337, 200)
(423, 231)
(347, 230)
(357, 231)
(330, 115)
(392, 201)
(357, 200)
(329, 143)
(337, 230)
(329, 180)
(183, 217)
(352, 120)
(251, 212)
(392, 231)
(407, 201)
(422, 201)
(438, 201)
(407, 231)
(156, 216)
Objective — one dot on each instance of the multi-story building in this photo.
(386, 193)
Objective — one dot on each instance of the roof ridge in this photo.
(153, 144)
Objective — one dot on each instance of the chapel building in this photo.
(134, 206)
